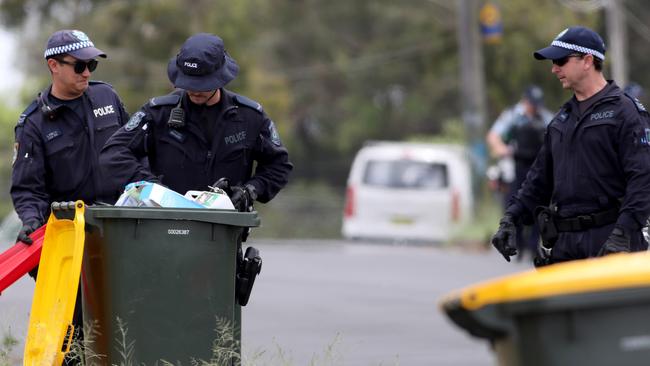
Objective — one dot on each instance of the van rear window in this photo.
(405, 174)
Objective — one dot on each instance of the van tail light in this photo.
(348, 211)
(455, 206)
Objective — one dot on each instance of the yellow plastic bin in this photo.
(589, 312)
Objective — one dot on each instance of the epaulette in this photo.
(639, 106)
(29, 110)
(242, 100)
(169, 99)
(96, 82)
(562, 115)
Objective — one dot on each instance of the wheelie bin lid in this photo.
(57, 283)
(215, 216)
(575, 283)
(591, 275)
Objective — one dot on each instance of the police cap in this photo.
(572, 40)
(202, 64)
(534, 95)
(72, 42)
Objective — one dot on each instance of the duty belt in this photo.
(588, 221)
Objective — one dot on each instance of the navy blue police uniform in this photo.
(57, 151)
(190, 146)
(594, 170)
(183, 158)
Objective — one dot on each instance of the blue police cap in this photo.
(202, 64)
(72, 42)
(572, 40)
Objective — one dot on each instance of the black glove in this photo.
(243, 197)
(505, 239)
(28, 228)
(618, 242)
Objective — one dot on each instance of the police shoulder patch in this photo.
(134, 121)
(275, 136)
(169, 99)
(30, 108)
(247, 102)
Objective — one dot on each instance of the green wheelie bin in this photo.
(588, 312)
(158, 284)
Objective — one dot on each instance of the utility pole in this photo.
(472, 81)
(617, 41)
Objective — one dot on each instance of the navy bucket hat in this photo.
(72, 42)
(202, 64)
(572, 40)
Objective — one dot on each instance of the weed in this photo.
(124, 346)
(8, 344)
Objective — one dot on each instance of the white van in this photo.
(407, 191)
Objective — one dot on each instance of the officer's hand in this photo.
(618, 242)
(28, 228)
(223, 184)
(505, 239)
(243, 197)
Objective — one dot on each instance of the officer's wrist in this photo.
(252, 191)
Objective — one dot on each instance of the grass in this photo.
(224, 350)
(477, 232)
(7, 346)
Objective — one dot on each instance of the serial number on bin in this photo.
(178, 231)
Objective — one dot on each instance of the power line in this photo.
(360, 63)
(583, 6)
(639, 26)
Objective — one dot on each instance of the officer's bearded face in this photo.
(204, 98)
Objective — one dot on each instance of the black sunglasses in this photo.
(80, 66)
(562, 61)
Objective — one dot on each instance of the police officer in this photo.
(590, 184)
(59, 136)
(518, 134)
(201, 132)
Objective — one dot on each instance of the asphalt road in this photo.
(340, 303)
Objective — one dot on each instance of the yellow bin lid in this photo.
(56, 290)
(612, 272)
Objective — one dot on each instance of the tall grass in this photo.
(224, 350)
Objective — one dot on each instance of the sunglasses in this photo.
(80, 66)
(562, 61)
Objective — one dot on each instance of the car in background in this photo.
(407, 191)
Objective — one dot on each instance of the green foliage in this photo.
(8, 118)
(302, 210)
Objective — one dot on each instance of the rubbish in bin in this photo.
(53, 304)
(153, 195)
(586, 312)
(20, 259)
(217, 199)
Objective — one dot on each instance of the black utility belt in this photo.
(588, 221)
